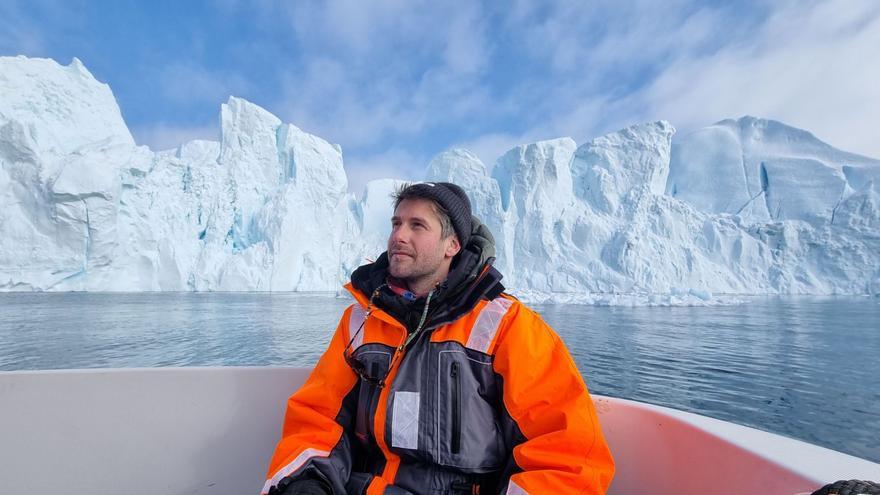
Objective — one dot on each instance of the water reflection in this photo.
(796, 366)
(803, 367)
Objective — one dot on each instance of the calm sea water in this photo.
(802, 367)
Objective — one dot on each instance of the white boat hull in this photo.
(212, 431)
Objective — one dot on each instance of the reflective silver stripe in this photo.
(514, 489)
(405, 420)
(358, 315)
(297, 463)
(487, 324)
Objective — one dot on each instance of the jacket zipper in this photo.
(456, 408)
(374, 372)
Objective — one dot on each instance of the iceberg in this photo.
(747, 206)
(762, 170)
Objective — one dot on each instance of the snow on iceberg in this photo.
(741, 207)
(763, 170)
(265, 209)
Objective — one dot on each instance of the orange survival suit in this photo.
(463, 391)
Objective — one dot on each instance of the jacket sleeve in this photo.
(558, 446)
(314, 441)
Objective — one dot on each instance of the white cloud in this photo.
(326, 100)
(589, 39)
(187, 83)
(395, 163)
(466, 48)
(169, 136)
(19, 38)
(37, 28)
(385, 73)
(813, 66)
(356, 27)
(23, 34)
(415, 77)
(586, 61)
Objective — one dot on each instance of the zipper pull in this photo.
(454, 372)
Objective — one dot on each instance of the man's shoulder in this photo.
(354, 308)
(515, 307)
(522, 327)
(520, 316)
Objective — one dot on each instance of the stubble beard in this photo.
(414, 270)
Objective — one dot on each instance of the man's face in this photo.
(416, 251)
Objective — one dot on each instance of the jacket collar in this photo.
(471, 278)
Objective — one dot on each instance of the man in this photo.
(436, 381)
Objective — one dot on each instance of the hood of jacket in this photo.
(471, 278)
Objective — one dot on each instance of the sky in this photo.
(395, 82)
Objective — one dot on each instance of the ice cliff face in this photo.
(84, 208)
(745, 206)
(763, 170)
(63, 145)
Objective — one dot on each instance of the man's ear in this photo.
(453, 247)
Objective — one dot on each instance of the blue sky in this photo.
(395, 82)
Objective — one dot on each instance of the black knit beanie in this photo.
(453, 199)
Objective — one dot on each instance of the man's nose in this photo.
(399, 234)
